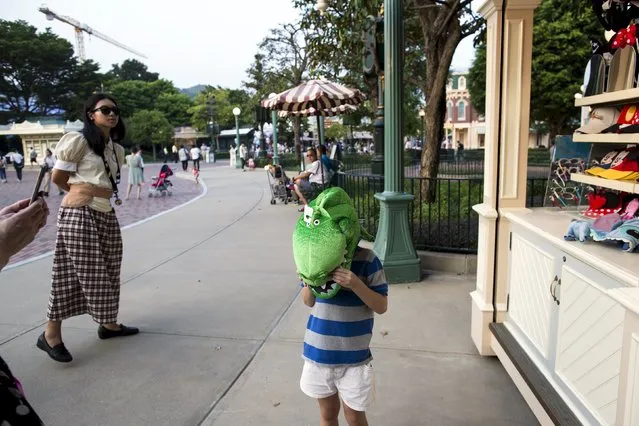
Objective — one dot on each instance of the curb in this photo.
(205, 190)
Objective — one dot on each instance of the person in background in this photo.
(552, 149)
(18, 164)
(141, 162)
(184, 158)
(166, 155)
(49, 162)
(3, 168)
(134, 161)
(33, 156)
(309, 183)
(174, 150)
(19, 224)
(243, 156)
(196, 153)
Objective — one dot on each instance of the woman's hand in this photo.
(19, 224)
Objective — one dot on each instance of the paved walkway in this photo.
(130, 212)
(217, 303)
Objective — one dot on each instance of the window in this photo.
(462, 83)
(449, 111)
(461, 112)
(449, 85)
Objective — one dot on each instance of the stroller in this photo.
(161, 183)
(279, 184)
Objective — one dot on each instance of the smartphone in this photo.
(36, 188)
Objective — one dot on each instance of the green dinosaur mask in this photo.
(325, 238)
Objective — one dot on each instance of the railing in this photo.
(448, 223)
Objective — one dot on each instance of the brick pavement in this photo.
(184, 189)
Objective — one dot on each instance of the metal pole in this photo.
(276, 157)
(393, 243)
(238, 162)
(377, 163)
(321, 129)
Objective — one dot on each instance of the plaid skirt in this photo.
(86, 266)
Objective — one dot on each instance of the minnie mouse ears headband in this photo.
(615, 14)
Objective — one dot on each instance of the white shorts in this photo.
(355, 385)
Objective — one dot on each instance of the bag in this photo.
(18, 165)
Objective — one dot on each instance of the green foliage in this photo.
(137, 95)
(175, 107)
(150, 128)
(225, 101)
(561, 49)
(477, 78)
(132, 69)
(337, 131)
(38, 73)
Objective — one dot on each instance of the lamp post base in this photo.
(238, 163)
(393, 245)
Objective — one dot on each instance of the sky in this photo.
(188, 41)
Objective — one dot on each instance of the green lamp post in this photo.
(276, 157)
(393, 242)
(238, 161)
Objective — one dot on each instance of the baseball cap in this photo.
(599, 119)
(618, 165)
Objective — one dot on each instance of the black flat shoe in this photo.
(58, 352)
(105, 333)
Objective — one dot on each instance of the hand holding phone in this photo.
(36, 189)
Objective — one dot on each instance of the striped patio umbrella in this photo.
(316, 94)
(311, 112)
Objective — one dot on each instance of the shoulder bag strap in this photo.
(114, 182)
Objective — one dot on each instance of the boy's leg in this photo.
(357, 390)
(355, 418)
(329, 410)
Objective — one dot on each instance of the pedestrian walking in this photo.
(49, 162)
(134, 162)
(33, 156)
(166, 155)
(196, 153)
(18, 164)
(184, 157)
(88, 250)
(141, 162)
(3, 168)
(174, 150)
(243, 156)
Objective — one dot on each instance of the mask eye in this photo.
(316, 222)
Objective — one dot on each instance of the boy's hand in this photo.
(346, 278)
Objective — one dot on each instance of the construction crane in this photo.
(81, 28)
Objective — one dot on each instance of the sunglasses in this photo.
(106, 110)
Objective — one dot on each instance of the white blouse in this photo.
(74, 156)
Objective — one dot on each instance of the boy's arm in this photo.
(347, 279)
(307, 295)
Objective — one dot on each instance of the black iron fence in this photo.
(447, 223)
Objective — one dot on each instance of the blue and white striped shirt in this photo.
(339, 329)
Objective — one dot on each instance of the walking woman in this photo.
(88, 248)
(134, 161)
(49, 161)
(3, 169)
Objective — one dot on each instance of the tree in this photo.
(132, 69)
(283, 63)
(561, 47)
(175, 107)
(38, 73)
(136, 95)
(337, 131)
(225, 101)
(440, 25)
(150, 128)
